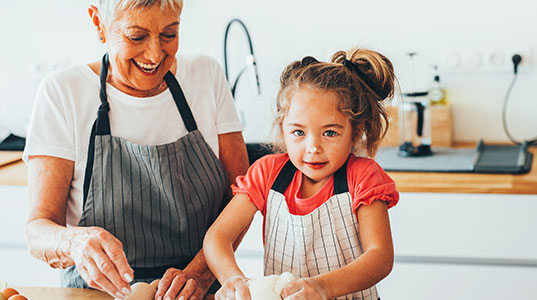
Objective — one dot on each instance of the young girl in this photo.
(324, 208)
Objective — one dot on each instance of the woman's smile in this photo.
(147, 69)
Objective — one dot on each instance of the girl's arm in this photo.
(218, 244)
(369, 268)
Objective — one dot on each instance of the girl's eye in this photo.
(298, 133)
(330, 133)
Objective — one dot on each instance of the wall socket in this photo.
(484, 60)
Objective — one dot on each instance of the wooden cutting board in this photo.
(8, 157)
(52, 293)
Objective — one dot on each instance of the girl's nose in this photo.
(312, 149)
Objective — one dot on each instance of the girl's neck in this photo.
(309, 187)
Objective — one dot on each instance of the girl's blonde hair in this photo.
(110, 9)
(362, 79)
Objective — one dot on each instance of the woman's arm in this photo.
(233, 155)
(196, 278)
(369, 268)
(98, 255)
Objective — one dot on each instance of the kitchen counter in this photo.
(50, 293)
(15, 174)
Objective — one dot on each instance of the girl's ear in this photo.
(97, 22)
(358, 131)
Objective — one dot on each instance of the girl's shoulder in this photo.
(271, 163)
(369, 182)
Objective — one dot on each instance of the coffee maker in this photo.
(414, 122)
(415, 125)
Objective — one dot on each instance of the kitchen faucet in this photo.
(250, 59)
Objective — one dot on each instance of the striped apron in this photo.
(324, 240)
(158, 200)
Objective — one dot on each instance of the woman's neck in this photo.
(96, 68)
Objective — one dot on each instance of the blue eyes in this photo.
(298, 133)
(329, 133)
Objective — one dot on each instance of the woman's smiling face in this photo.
(142, 44)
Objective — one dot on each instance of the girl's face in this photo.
(142, 45)
(317, 135)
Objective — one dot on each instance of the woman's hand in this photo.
(236, 287)
(303, 288)
(100, 260)
(181, 284)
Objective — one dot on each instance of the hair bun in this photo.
(308, 60)
(375, 70)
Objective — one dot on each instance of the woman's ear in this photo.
(97, 22)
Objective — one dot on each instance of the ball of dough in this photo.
(268, 287)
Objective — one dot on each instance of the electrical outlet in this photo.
(484, 61)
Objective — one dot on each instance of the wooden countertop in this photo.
(423, 182)
(15, 174)
(13, 171)
(50, 293)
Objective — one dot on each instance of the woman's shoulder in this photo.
(71, 77)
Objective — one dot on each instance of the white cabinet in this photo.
(17, 267)
(463, 246)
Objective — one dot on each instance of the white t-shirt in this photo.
(67, 103)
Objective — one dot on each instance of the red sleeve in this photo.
(259, 179)
(369, 182)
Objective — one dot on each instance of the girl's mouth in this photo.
(316, 165)
(148, 69)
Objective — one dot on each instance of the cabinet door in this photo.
(466, 225)
(460, 282)
(17, 267)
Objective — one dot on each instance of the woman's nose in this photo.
(154, 51)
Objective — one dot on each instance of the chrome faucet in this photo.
(250, 59)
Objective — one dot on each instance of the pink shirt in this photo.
(367, 182)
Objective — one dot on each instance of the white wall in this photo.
(42, 35)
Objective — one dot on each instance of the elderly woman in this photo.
(130, 158)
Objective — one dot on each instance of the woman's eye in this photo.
(136, 38)
(298, 133)
(169, 36)
(330, 133)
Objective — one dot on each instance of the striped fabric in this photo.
(324, 240)
(157, 200)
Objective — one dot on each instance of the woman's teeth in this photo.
(148, 68)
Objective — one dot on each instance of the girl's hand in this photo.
(180, 284)
(236, 287)
(100, 260)
(303, 288)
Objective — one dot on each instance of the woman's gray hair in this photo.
(108, 9)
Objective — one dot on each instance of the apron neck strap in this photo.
(288, 172)
(180, 101)
(102, 124)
